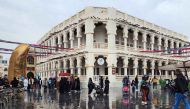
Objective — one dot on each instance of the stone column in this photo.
(79, 66)
(166, 71)
(160, 64)
(135, 38)
(125, 36)
(59, 40)
(71, 37)
(152, 42)
(112, 58)
(166, 45)
(135, 66)
(126, 61)
(145, 66)
(177, 46)
(79, 36)
(65, 39)
(71, 66)
(111, 32)
(153, 67)
(144, 40)
(159, 42)
(172, 45)
(65, 65)
(89, 31)
(89, 64)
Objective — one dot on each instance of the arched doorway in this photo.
(156, 70)
(68, 66)
(75, 66)
(148, 38)
(130, 66)
(120, 69)
(83, 68)
(140, 67)
(30, 75)
(149, 70)
(163, 73)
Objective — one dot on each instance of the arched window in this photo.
(30, 60)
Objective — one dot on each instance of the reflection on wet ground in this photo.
(52, 99)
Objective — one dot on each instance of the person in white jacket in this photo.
(25, 84)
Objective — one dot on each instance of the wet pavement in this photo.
(52, 99)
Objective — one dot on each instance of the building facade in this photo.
(3, 66)
(107, 42)
(31, 64)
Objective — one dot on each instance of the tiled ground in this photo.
(51, 99)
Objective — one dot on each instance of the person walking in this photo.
(136, 82)
(133, 86)
(1, 81)
(72, 83)
(154, 81)
(181, 90)
(90, 86)
(145, 89)
(14, 83)
(45, 83)
(40, 83)
(77, 84)
(61, 86)
(25, 84)
(101, 82)
(106, 89)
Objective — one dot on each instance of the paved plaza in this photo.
(52, 99)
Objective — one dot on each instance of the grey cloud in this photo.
(28, 20)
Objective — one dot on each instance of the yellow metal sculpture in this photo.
(17, 63)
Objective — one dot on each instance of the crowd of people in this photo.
(68, 84)
(103, 85)
(178, 88)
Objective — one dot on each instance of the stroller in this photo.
(99, 90)
(125, 88)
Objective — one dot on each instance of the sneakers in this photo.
(144, 103)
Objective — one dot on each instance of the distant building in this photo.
(107, 42)
(3, 66)
(31, 64)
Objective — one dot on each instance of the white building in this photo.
(3, 66)
(107, 42)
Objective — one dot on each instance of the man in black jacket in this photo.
(14, 83)
(181, 90)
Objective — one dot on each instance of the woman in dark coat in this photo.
(90, 86)
(62, 85)
(77, 84)
(136, 82)
(106, 89)
(101, 82)
(68, 85)
(72, 83)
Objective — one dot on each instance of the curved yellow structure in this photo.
(17, 63)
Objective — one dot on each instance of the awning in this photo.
(172, 67)
(63, 74)
(168, 67)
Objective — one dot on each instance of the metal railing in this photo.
(100, 45)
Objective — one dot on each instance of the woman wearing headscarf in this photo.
(106, 89)
(90, 86)
(77, 84)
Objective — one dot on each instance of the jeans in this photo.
(178, 98)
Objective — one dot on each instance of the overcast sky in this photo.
(28, 20)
